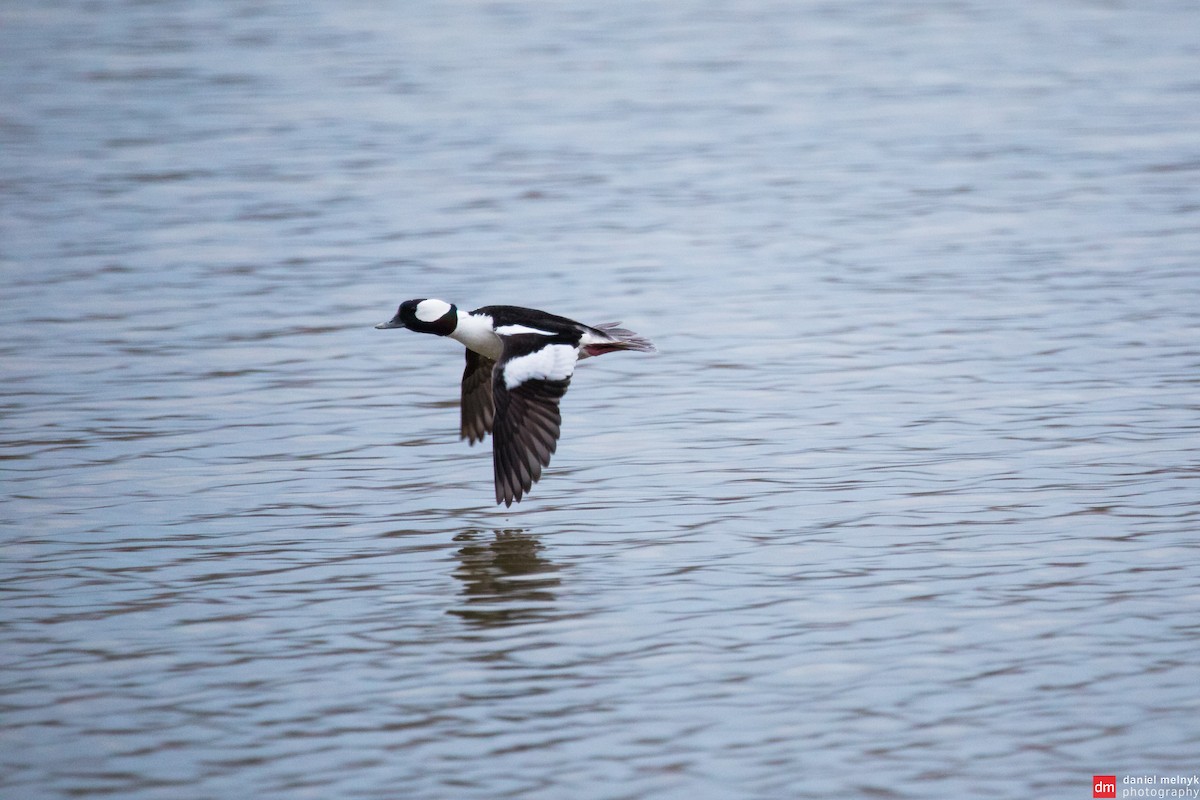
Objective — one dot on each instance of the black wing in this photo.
(516, 315)
(477, 408)
(530, 378)
(526, 433)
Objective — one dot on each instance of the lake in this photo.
(905, 506)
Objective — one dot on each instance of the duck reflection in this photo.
(505, 578)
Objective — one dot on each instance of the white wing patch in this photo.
(432, 310)
(554, 362)
(510, 330)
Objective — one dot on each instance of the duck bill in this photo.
(394, 322)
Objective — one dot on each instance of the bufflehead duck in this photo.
(519, 363)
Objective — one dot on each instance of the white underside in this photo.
(477, 334)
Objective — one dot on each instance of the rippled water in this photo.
(906, 506)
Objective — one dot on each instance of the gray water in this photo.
(905, 507)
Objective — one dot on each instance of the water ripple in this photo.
(904, 507)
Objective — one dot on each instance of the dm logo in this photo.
(1104, 786)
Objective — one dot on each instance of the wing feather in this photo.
(527, 422)
(478, 410)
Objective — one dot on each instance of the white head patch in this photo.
(432, 310)
(553, 362)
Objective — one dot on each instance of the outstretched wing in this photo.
(477, 397)
(527, 384)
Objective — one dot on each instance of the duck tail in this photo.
(617, 338)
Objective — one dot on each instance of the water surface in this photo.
(905, 506)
